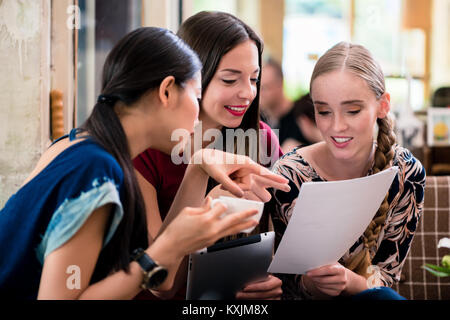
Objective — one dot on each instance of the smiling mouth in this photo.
(236, 110)
(341, 140)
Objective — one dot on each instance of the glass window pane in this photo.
(229, 6)
(310, 28)
(377, 27)
(400, 52)
(414, 52)
(103, 24)
(398, 89)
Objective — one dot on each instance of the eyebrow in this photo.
(352, 101)
(236, 71)
(342, 103)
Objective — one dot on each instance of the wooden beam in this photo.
(417, 15)
(271, 23)
(64, 24)
(164, 14)
(45, 74)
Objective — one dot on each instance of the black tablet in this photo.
(220, 271)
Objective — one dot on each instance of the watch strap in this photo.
(154, 274)
(144, 260)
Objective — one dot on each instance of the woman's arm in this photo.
(267, 289)
(332, 280)
(236, 174)
(154, 223)
(150, 195)
(191, 193)
(67, 270)
(270, 287)
(78, 256)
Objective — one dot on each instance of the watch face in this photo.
(157, 276)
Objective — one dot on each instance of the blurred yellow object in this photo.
(440, 131)
(57, 112)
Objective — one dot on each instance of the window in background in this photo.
(377, 27)
(103, 24)
(229, 6)
(313, 26)
(310, 28)
(401, 52)
(246, 10)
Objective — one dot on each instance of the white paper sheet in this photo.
(327, 219)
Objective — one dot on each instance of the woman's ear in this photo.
(385, 105)
(166, 89)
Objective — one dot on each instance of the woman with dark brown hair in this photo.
(231, 55)
(350, 101)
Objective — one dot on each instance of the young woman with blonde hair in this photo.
(350, 100)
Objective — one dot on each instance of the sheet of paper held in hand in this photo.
(327, 219)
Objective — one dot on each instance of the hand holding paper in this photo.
(327, 219)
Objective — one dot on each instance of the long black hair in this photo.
(137, 64)
(212, 34)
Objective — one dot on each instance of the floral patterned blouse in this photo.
(406, 196)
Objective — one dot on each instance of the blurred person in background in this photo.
(276, 108)
(303, 113)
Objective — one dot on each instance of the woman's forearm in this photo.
(162, 251)
(107, 289)
(191, 193)
(356, 284)
(179, 281)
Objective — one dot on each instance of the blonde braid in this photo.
(383, 158)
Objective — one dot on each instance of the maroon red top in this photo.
(165, 176)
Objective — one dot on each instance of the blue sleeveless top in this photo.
(47, 211)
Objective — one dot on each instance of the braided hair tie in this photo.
(106, 99)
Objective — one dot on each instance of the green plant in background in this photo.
(294, 90)
(444, 270)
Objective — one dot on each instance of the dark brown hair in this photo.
(212, 34)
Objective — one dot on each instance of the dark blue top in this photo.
(47, 211)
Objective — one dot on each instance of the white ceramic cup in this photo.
(235, 205)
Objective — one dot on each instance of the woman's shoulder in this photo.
(268, 131)
(155, 160)
(271, 145)
(300, 155)
(409, 166)
(271, 133)
(297, 164)
(90, 155)
(152, 156)
(76, 158)
(263, 125)
(82, 163)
